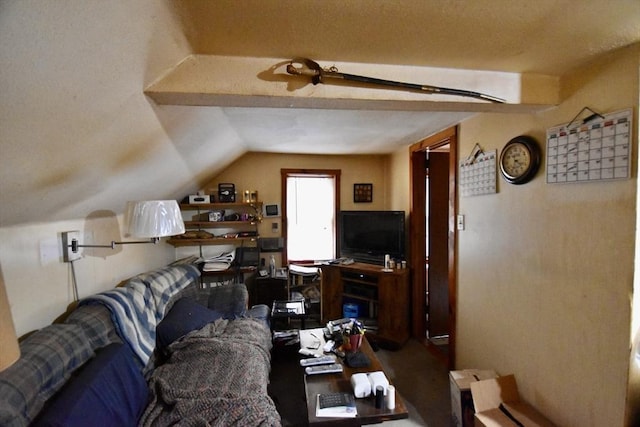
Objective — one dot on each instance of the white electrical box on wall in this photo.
(67, 254)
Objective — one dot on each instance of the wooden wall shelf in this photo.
(254, 209)
(210, 242)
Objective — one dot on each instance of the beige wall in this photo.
(399, 181)
(40, 286)
(261, 171)
(545, 271)
(633, 396)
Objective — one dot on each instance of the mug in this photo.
(355, 341)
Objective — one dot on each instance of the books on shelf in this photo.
(339, 405)
(220, 262)
(215, 266)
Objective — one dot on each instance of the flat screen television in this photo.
(367, 236)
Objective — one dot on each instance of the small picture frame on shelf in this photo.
(362, 193)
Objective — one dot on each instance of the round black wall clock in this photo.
(520, 160)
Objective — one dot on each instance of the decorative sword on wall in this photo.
(307, 67)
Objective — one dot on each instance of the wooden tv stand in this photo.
(383, 299)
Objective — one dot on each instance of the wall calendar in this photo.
(478, 174)
(595, 151)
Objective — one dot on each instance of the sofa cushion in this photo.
(229, 299)
(185, 316)
(260, 312)
(108, 391)
(97, 324)
(48, 357)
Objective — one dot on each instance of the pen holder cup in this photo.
(355, 341)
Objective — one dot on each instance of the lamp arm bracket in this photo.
(75, 245)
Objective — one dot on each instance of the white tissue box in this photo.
(361, 385)
(199, 198)
(376, 379)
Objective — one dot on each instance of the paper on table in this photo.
(312, 340)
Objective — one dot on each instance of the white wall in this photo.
(545, 271)
(40, 285)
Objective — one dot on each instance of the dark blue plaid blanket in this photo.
(138, 306)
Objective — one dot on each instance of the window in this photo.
(311, 202)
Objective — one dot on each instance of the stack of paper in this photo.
(303, 269)
(219, 262)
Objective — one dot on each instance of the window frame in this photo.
(324, 173)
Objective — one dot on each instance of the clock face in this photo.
(516, 161)
(520, 160)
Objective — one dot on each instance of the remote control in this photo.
(323, 360)
(323, 369)
(329, 346)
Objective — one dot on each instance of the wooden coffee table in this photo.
(341, 382)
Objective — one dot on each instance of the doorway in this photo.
(433, 238)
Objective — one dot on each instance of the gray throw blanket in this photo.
(215, 376)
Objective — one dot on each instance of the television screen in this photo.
(367, 236)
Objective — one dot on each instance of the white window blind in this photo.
(311, 221)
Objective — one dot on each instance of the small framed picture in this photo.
(362, 193)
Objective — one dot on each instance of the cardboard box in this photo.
(498, 404)
(462, 410)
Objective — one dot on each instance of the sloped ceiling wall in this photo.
(77, 133)
(499, 35)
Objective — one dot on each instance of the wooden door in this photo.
(418, 231)
(438, 243)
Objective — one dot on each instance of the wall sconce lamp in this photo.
(147, 219)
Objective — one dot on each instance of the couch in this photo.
(157, 350)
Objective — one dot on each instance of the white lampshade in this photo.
(9, 348)
(154, 218)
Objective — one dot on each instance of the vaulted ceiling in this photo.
(105, 102)
(544, 37)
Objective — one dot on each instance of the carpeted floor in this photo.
(420, 378)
